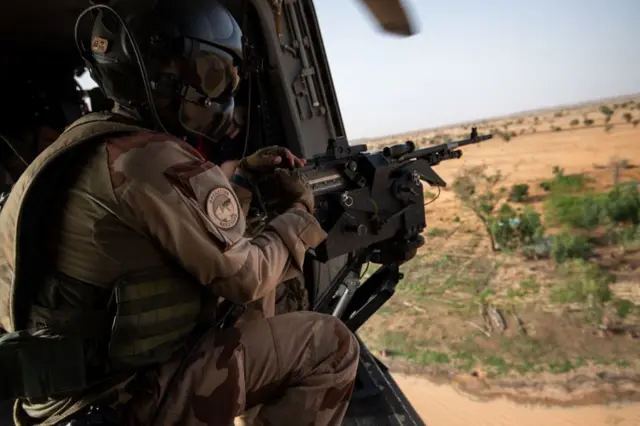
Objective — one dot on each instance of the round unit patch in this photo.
(222, 208)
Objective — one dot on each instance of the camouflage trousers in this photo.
(300, 367)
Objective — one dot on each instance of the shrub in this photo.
(622, 204)
(608, 127)
(627, 116)
(562, 183)
(583, 211)
(568, 245)
(623, 308)
(606, 110)
(636, 122)
(519, 193)
(588, 122)
(511, 230)
(574, 122)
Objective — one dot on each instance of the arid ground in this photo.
(531, 292)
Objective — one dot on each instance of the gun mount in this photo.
(372, 207)
(376, 200)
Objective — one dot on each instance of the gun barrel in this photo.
(446, 147)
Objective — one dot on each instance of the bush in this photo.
(574, 122)
(519, 193)
(606, 110)
(511, 230)
(635, 122)
(588, 122)
(583, 211)
(505, 135)
(627, 116)
(622, 204)
(562, 183)
(608, 127)
(623, 308)
(568, 245)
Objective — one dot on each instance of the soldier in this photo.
(135, 237)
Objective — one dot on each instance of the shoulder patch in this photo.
(222, 208)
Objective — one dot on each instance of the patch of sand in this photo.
(442, 405)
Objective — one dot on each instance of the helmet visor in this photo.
(207, 106)
(213, 74)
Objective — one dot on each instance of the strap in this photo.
(72, 322)
(241, 181)
(37, 366)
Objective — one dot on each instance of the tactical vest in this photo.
(154, 310)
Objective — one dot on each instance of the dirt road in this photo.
(444, 406)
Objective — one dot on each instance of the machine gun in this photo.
(372, 207)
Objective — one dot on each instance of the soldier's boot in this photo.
(300, 367)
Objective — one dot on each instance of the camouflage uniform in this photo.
(139, 198)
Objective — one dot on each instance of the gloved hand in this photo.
(295, 188)
(266, 160)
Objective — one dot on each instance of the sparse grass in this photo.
(627, 236)
(530, 285)
(585, 283)
(437, 232)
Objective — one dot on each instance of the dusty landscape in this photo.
(539, 300)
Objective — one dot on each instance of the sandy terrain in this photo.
(444, 406)
(432, 322)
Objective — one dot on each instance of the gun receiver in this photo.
(375, 200)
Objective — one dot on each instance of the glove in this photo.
(295, 188)
(266, 160)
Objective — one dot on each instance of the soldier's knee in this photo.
(344, 345)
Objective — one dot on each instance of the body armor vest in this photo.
(56, 353)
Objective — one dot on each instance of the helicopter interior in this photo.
(39, 64)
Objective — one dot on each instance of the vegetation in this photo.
(519, 193)
(478, 190)
(546, 285)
